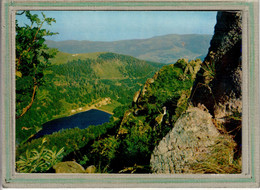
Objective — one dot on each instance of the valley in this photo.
(78, 83)
(162, 109)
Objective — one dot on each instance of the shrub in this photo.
(39, 160)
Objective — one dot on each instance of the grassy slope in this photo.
(63, 57)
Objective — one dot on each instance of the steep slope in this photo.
(216, 96)
(126, 143)
(105, 80)
(155, 107)
(185, 119)
(164, 49)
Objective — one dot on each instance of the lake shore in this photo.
(91, 108)
(98, 105)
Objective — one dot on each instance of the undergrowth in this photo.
(219, 159)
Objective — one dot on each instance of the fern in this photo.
(39, 160)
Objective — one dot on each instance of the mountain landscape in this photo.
(163, 49)
(170, 114)
(79, 81)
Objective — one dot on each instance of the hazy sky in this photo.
(121, 25)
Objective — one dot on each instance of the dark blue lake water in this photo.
(81, 120)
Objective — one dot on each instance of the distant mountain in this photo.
(163, 49)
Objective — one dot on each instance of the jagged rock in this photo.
(150, 81)
(189, 68)
(136, 96)
(193, 133)
(91, 169)
(68, 167)
(218, 83)
(122, 130)
(216, 93)
(147, 84)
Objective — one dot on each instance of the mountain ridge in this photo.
(163, 49)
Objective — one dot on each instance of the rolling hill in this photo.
(163, 49)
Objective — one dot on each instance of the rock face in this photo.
(192, 134)
(222, 95)
(217, 89)
(218, 83)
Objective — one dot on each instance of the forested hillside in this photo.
(174, 118)
(125, 144)
(104, 78)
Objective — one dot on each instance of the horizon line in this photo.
(130, 38)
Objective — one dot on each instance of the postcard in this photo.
(129, 94)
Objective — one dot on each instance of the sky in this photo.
(124, 25)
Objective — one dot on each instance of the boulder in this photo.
(68, 167)
(91, 169)
(193, 133)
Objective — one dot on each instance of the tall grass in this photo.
(219, 159)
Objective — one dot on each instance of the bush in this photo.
(39, 160)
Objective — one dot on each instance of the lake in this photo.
(81, 120)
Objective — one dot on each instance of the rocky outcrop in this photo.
(146, 85)
(136, 96)
(193, 134)
(218, 83)
(216, 98)
(222, 95)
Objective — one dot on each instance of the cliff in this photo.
(207, 138)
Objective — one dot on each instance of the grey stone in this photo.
(193, 133)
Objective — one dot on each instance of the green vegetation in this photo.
(32, 58)
(62, 57)
(209, 70)
(125, 143)
(128, 146)
(71, 139)
(81, 83)
(145, 99)
(107, 81)
(145, 123)
(110, 108)
(38, 160)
